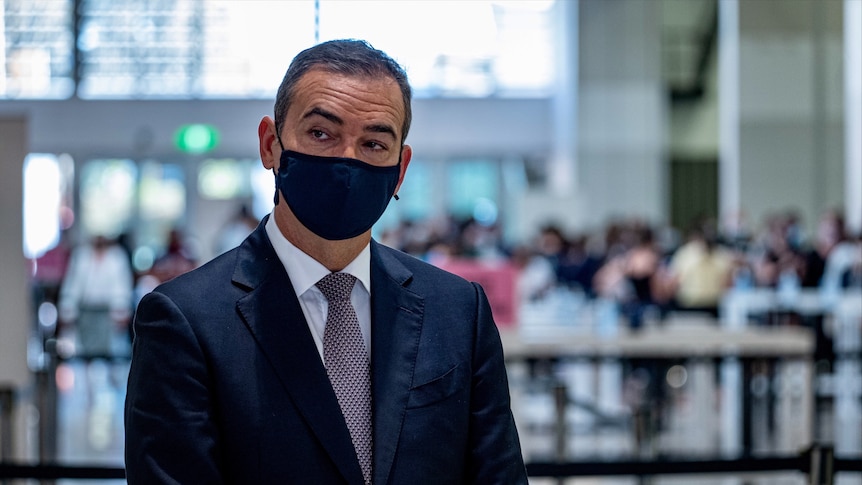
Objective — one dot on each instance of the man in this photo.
(236, 376)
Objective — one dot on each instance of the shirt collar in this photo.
(305, 271)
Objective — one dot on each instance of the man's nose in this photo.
(349, 150)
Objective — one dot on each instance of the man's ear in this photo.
(268, 142)
(406, 155)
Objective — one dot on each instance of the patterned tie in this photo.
(347, 364)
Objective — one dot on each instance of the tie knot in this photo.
(336, 286)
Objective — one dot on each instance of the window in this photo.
(187, 48)
(467, 188)
(47, 195)
(232, 179)
(475, 48)
(36, 51)
(107, 196)
(162, 202)
(473, 189)
(225, 179)
(416, 198)
(230, 49)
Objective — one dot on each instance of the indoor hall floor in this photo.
(687, 424)
(90, 422)
(90, 416)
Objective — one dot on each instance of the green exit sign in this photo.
(196, 138)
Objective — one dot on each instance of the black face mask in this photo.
(335, 198)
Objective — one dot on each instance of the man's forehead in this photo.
(319, 91)
(320, 80)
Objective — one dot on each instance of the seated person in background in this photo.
(700, 272)
(580, 265)
(632, 277)
(843, 268)
(96, 296)
(776, 257)
(835, 260)
(176, 260)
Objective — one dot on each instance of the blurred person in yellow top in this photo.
(700, 271)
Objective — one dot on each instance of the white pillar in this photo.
(622, 113)
(790, 108)
(2, 49)
(562, 167)
(728, 109)
(853, 114)
(14, 285)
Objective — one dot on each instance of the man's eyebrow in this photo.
(382, 129)
(376, 128)
(326, 114)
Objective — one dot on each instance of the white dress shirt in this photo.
(305, 272)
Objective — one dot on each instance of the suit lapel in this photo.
(396, 316)
(272, 313)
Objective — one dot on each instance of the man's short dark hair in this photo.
(349, 57)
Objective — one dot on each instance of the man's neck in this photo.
(334, 255)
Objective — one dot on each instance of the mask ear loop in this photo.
(395, 195)
(277, 188)
(278, 137)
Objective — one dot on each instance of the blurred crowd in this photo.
(640, 266)
(645, 267)
(94, 288)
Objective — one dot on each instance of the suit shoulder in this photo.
(209, 275)
(424, 270)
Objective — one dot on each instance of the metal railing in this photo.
(819, 464)
(7, 402)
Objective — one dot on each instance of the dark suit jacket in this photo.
(226, 384)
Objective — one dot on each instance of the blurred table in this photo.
(679, 339)
(738, 306)
(683, 338)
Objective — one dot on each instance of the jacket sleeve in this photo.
(495, 451)
(171, 434)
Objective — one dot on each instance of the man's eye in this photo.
(320, 135)
(375, 146)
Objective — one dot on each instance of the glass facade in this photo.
(189, 49)
(37, 57)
